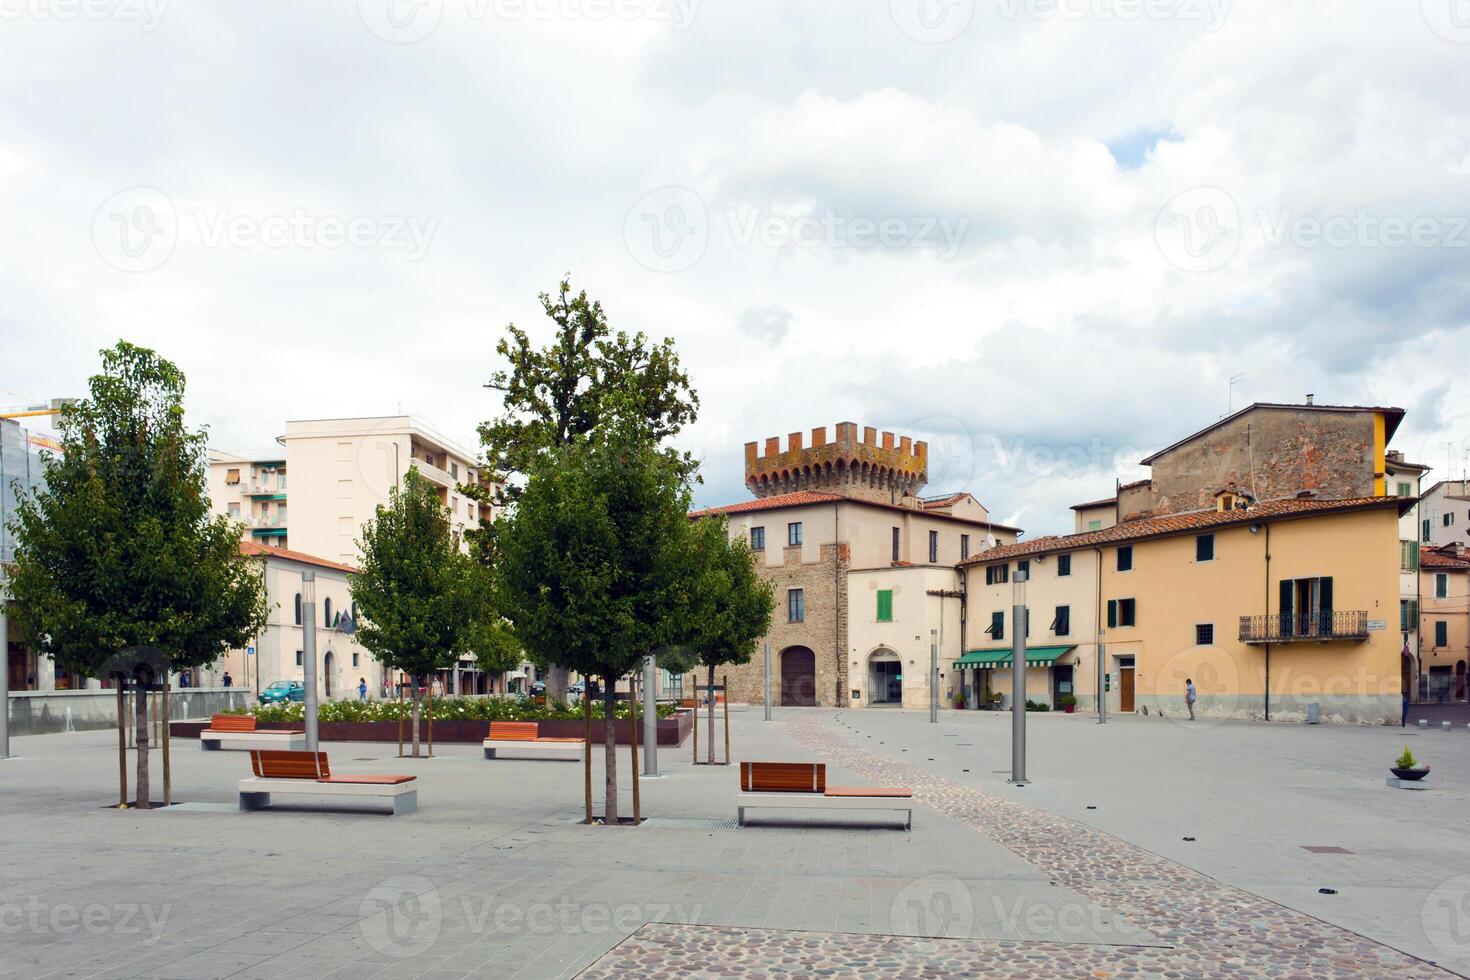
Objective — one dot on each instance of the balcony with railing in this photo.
(1304, 627)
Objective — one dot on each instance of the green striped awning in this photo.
(1035, 657)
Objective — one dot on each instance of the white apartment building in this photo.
(251, 489)
(342, 469)
(1444, 514)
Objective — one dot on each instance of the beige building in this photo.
(1262, 559)
(1445, 624)
(864, 570)
(278, 653)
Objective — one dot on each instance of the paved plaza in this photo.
(1086, 871)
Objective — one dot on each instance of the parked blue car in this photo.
(281, 691)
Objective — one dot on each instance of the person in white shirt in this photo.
(1190, 696)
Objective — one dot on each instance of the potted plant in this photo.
(1069, 703)
(994, 698)
(958, 697)
(1407, 767)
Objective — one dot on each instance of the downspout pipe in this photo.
(1268, 620)
(1102, 696)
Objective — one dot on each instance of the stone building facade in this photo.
(1269, 451)
(822, 513)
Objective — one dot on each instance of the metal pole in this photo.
(1018, 679)
(768, 680)
(934, 676)
(308, 658)
(1102, 685)
(650, 718)
(4, 678)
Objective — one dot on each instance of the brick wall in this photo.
(1330, 453)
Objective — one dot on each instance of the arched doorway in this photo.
(885, 677)
(798, 677)
(328, 665)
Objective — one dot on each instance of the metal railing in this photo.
(1293, 627)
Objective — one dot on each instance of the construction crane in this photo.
(54, 407)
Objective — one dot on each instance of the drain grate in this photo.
(1325, 849)
(691, 823)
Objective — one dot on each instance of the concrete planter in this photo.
(671, 731)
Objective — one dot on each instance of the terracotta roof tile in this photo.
(1149, 527)
(1429, 558)
(1095, 503)
(253, 550)
(802, 498)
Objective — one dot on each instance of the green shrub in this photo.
(445, 709)
(1069, 701)
(1037, 705)
(1407, 760)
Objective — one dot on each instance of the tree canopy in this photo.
(589, 560)
(120, 550)
(421, 599)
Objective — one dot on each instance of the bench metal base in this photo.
(255, 794)
(212, 741)
(554, 750)
(816, 801)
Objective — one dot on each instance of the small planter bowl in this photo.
(1069, 708)
(1409, 774)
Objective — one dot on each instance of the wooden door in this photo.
(1125, 689)
(798, 677)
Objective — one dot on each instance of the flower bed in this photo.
(445, 709)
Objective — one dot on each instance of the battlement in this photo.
(863, 467)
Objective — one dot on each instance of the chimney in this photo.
(1310, 396)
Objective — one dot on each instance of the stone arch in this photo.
(884, 676)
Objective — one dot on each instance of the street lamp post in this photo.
(650, 718)
(768, 680)
(4, 678)
(308, 657)
(1018, 679)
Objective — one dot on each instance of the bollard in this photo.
(1424, 723)
(1446, 725)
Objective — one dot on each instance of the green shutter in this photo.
(1112, 613)
(885, 605)
(1413, 556)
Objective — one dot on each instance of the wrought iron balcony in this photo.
(1301, 627)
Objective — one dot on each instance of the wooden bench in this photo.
(523, 736)
(803, 785)
(308, 774)
(239, 732)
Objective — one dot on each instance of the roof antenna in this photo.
(1230, 393)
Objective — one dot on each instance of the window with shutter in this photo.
(1441, 633)
(997, 628)
(1125, 558)
(1112, 613)
(885, 605)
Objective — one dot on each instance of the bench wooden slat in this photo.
(783, 777)
(285, 764)
(369, 780)
(897, 792)
(232, 723)
(513, 731)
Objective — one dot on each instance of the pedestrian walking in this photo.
(1190, 696)
(362, 689)
(229, 681)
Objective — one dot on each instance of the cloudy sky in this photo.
(1042, 234)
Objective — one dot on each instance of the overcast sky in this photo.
(1042, 235)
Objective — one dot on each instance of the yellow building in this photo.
(1444, 614)
(1296, 597)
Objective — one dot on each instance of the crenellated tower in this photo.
(863, 468)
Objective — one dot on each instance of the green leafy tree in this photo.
(587, 377)
(421, 599)
(589, 561)
(120, 551)
(730, 605)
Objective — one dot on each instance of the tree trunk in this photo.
(140, 721)
(556, 684)
(610, 750)
(418, 684)
(711, 693)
